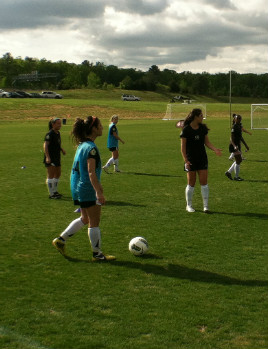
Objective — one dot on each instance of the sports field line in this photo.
(23, 340)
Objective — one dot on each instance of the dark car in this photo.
(35, 95)
(23, 94)
(14, 94)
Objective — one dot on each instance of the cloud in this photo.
(138, 33)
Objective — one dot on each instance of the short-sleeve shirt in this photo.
(195, 144)
(54, 145)
(112, 142)
(81, 186)
(237, 133)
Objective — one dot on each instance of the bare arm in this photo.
(217, 151)
(183, 153)
(45, 147)
(91, 165)
(117, 137)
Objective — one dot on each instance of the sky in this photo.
(195, 35)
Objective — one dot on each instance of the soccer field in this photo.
(203, 283)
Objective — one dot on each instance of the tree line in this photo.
(32, 73)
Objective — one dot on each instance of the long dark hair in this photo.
(190, 117)
(82, 129)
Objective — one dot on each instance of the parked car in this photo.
(4, 94)
(50, 94)
(14, 94)
(125, 97)
(35, 95)
(23, 94)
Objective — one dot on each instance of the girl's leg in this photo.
(203, 179)
(50, 180)
(116, 160)
(238, 160)
(189, 190)
(57, 174)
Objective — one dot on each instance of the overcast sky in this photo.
(193, 35)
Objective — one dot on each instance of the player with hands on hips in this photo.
(194, 138)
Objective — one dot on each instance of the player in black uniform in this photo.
(235, 148)
(52, 157)
(194, 138)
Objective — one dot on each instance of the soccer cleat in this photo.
(206, 210)
(100, 257)
(239, 179)
(190, 209)
(105, 169)
(228, 174)
(57, 194)
(117, 170)
(60, 245)
(54, 197)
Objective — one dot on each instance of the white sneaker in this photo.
(206, 209)
(190, 209)
(105, 169)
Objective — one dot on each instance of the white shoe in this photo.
(206, 209)
(105, 169)
(190, 209)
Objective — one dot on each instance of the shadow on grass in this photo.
(244, 214)
(178, 271)
(185, 273)
(122, 203)
(150, 174)
(256, 180)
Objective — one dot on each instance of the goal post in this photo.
(179, 111)
(259, 116)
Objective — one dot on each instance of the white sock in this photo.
(94, 235)
(72, 228)
(231, 169)
(55, 184)
(205, 194)
(50, 186)
(109, 162)
(116, 163)
(237, 170)
(189, 192)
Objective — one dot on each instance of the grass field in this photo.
(203, 284)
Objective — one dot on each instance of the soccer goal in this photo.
(179, 111)
(259, 116)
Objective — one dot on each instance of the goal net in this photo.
(179, 111)
(259, 116)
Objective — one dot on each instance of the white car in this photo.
(4, 94)
(130, 98)
(50, 94)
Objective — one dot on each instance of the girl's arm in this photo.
(117, 137)
(217, 151)
(183, 153)
(245, 144)
(45, 147)
(246, 131)
(91, 166)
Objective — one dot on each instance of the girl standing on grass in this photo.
(194, 138)
(86, 186)
(52, 157)
(112, 145)
(235, 148)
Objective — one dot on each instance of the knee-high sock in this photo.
(110, 162)
(50, 186)
(231, 169)
(205, 194)
(55, 184)
(94, 235)
(116, 163)
(72, 228)
(237, 170)
(189, 192)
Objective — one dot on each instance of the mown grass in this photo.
(203, 283)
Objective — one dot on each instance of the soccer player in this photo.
(194, 138)
(235, 148)
(86, 187)
(112, 145)
(231, 157)
(52, 157)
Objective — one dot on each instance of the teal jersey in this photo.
(112, 142)
(81, 186)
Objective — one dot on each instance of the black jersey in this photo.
(54, 146)
(237, 134)
(195, 145)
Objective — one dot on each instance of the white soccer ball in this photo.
(138, 246)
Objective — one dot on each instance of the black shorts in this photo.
(198, 165)
(232, 149)
(113, 148)
(86, 204)
(54, 162)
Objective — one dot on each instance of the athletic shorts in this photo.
(86, 204)
(113, 148)
(54, 162)
(198, 165)
(232, 149)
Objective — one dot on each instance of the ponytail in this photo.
(82, 129)
(190, 117)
